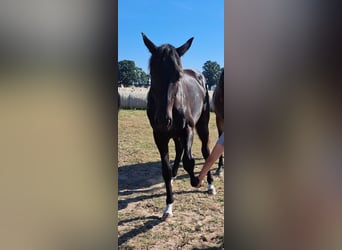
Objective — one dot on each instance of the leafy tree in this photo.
(127, 75)
(130, 75)
(211, 72)
(141, 77)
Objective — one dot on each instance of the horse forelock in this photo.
(165, 65)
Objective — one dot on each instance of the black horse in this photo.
(177, 102)
(218, 101)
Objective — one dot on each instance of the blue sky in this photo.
(174, 22)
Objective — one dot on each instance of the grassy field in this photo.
(197, 222)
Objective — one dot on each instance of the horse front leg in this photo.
(179, 152)
(188, 161)
(162, 144)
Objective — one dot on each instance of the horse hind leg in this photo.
(219, 124)
(203, 133)
(220, 166)
(220, 163)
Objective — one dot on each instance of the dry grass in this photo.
(198, 217)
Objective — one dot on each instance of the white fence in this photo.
(136, 98)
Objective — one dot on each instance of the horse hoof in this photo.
(219, 172)
(166, 216)
(194, 182)
(211, 191)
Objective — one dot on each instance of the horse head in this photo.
(166, 71)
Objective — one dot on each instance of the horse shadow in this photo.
(209, 248)
(142, 179)
(151, 222)
(144, 175)
(139, 176)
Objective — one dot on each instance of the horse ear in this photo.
(182, 49)
(149, 44)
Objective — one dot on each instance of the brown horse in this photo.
(177, 102)
(218, 101)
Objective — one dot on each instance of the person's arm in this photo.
(215, 154)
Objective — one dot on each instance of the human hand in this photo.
(199, 184)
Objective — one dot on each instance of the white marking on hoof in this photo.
(172, 180)
(166, 217)
(167, 212)
(211, 189)
(219, 172)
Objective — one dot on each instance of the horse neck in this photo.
(163, 81)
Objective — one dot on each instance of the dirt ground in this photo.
(197, 222)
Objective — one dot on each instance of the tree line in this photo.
(131, 75)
